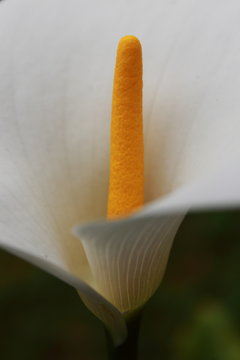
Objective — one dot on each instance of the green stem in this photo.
(129, 349)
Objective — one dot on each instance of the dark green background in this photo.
(194, 315)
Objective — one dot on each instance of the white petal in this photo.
(56, 70)
(128, 257)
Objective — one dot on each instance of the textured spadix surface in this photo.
(56, 71)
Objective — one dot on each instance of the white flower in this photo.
(56, 70)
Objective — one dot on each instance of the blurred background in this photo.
(195, 314)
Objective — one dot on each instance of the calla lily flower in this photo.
(56, 70)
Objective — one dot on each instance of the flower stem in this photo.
(129, 349)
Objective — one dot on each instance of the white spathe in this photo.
(56, 71)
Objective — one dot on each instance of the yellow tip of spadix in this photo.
(126, 183)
